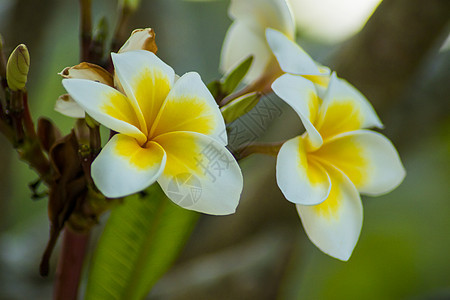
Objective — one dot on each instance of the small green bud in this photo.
(17, 68)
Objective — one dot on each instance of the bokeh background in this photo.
(393, 52)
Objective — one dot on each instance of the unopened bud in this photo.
(17, 68)
(140, 39)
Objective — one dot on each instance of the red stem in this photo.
(70, 264)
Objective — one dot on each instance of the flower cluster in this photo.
(324, 170)
(167, 127)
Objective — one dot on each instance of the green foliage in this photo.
(239, 106)
(224, 87)
(142, 238)
(232, 79)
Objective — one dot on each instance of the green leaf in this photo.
(239, 106)
(215, 87)
(141, 239)
(232, 79)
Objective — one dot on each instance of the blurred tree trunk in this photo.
(383, 58)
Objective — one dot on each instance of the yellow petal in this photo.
(146, 81)
(190, 107)
(368, 159)
(335, 224)
(106, 105)
(200, 173)
(344, 109)
(301, 179)
(125, 167)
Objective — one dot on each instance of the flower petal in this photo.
(302, 180)
(89, 71)
(123, 167)
(264, 13)
(190, 107)
(140, 39)
(291, 57)
(335, 224)
(344, 109)
(146, 80)
(241, 42)
(200, 173)
(368, 159)
(301, 95)
(68, 107)
(106, 105)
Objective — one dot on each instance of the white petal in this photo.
(200, 173)
(301, 95)
(241, 42)
(68, 107)
(106, 105)
(344, 109)
(301, 180)
(123, 167)
(290, 56)
(368, 159)
(146, 80)
(334, 225)
(260, 14)
(190, 107)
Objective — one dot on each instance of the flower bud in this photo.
(88, 71)
(17, 68)
(140, 39)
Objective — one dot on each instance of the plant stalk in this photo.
(68, 273)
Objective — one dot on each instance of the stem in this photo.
(70, 265)
(86, 29)
(262, 148)
(120, 32)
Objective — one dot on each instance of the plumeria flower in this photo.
(246, 35)
(167, 132)
(294, 60)
(324, 170)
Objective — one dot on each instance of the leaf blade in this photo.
(140, 241)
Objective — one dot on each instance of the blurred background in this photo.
(392, 51)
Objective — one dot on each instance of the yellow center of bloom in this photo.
(340, 117)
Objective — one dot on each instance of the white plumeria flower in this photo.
(246, 35)
(324, 170)
(294, 60)
(167, 131)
